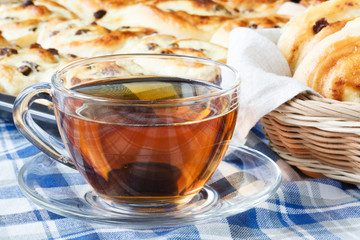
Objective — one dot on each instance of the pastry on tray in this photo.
(38, 36)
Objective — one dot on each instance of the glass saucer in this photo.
(244, 179)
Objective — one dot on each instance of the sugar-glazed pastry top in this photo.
(322, 46)
(332, 67)
(302, 32)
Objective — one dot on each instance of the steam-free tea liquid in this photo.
(142, 153)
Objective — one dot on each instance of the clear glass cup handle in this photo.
(31, 130)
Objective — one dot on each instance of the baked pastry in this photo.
(331, 68)
(88, 10)
(197, 8)
(22, 67)
(178, 24)
(208, 50)
(87, 28)
(3, 43)
(296, 39)
(19, 23)
(221, 35)
(167, 44)
(252, 8)
(151, 44)
(308, 3)
(77, 38)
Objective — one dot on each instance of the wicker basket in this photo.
(319, 136)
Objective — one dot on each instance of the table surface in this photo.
(302, 208)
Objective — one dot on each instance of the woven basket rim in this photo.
(308, 95)
(317, 135)
(308, 109)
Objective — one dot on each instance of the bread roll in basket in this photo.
(321, 136)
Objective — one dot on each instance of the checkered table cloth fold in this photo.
(302, 208)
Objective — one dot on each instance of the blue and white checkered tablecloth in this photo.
(302, 208)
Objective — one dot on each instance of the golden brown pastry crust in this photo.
(331, 68)
(192, 7)
(86, 28)
(300, 31)
(150, 44)
(19, 22)
(28, 66)
(3, 42)
(75, 37)
(152, 17)
(252, 8)
(167, 44)
(85, 9)
(221, 35)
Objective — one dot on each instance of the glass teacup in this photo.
(146, 131)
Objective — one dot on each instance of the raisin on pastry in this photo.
(331, 68)
(76, 38)
(28, 66)
(19, 22)
(296, 39)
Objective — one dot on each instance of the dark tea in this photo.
(139, 152)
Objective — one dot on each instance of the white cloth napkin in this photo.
(265, 75)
